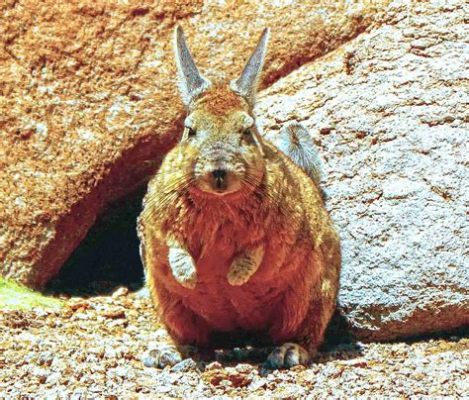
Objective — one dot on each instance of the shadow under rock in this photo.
(108, 257)
(339, 342)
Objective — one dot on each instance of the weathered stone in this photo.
(88, 104)
(390, 114)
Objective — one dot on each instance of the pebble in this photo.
(150, 362)
(244, 368)
(87, 355)
(53, 378)
(45, 359)
(213, 365)
(121, 292)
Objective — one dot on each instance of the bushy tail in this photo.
(295, 141)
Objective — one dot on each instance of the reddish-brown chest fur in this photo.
(215, 233)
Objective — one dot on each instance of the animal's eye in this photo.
(248, 136)
(190, 132)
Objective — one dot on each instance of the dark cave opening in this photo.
(108, 257)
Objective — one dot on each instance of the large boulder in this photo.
(88, 103)
(389, 112)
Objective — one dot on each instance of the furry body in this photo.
(292, 294)
(234, 234)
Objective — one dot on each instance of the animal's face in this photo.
(221, 136)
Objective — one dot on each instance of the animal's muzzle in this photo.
(219, 179)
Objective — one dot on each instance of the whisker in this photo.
(267, 192)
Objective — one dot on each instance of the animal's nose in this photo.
(219, 174)
(219, 179)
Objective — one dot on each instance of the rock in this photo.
(111, 352)
(213, 365)
(120, 292)
(150, 362)
(161, 355)
(114, 314)
(53, 378)
(244, 368)
(88, 105)
(124, 372)
(40, 373)
(227, 377)
(396, 178)
(45, 359)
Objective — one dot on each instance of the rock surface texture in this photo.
(88, 103)
(390, 113)
(88, 108)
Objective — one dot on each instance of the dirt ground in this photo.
(94, 348)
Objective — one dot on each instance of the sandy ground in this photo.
(93, 348)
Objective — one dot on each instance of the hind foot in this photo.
(286, 356)
(161, 355)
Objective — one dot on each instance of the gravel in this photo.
(95, 348)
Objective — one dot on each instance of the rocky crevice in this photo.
(94, 106)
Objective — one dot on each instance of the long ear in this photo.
(191, 83)
(246, 84)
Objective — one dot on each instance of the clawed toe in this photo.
(162, 356)
(286, 356)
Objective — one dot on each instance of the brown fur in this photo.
(219, 100)
(292, 295)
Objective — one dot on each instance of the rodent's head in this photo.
(220, 135)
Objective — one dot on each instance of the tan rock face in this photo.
(389, 111)
(88, 104)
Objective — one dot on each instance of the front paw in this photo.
(244, 266)
(183, 267)
(240, 271)
(286, 356)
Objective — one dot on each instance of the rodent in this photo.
(234, 233)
